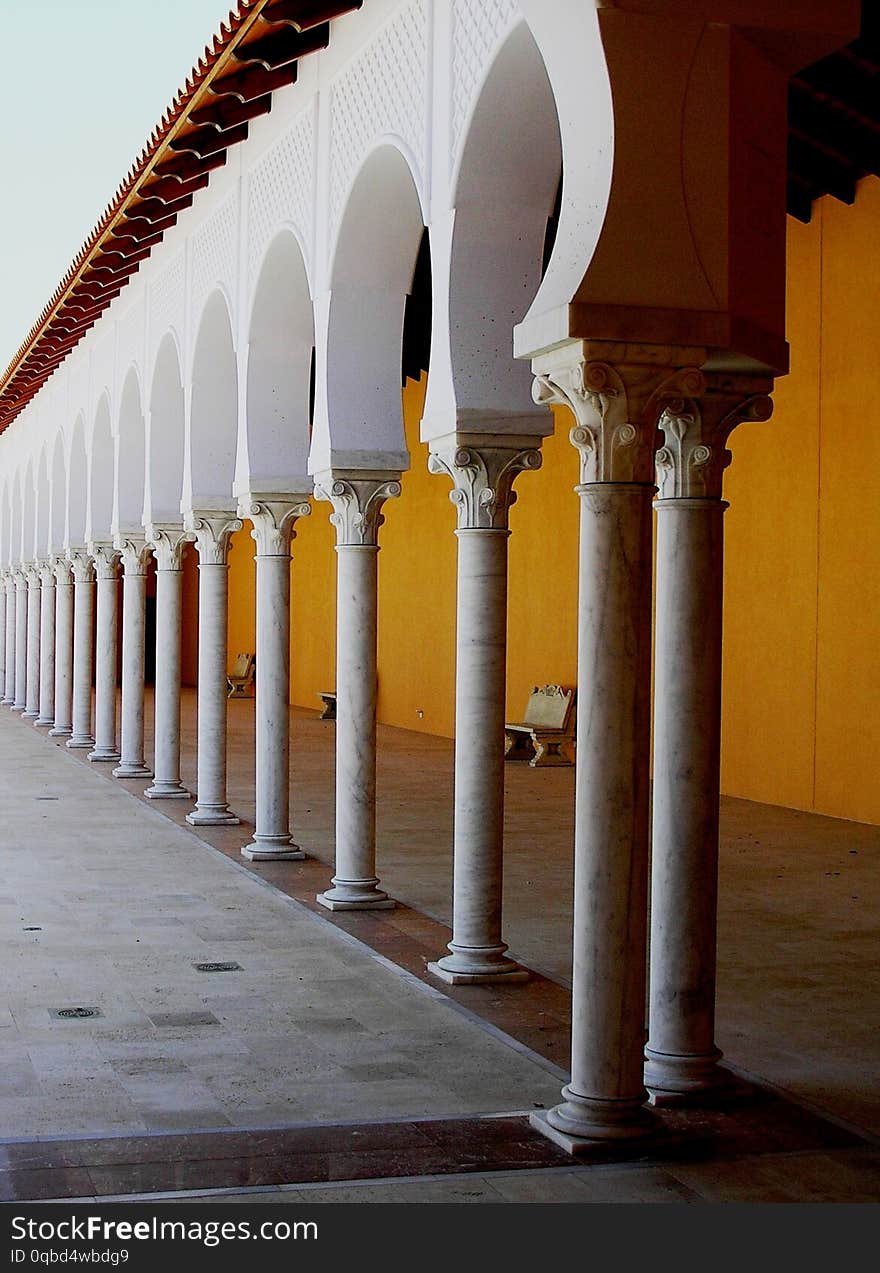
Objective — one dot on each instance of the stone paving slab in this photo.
(109, 906)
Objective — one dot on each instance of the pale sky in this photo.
(83, 83)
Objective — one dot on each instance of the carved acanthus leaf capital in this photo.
(691, 463)
(211, 532)
(32, 574)
(61, 571)
(134, 553)
(273, 519)
(483, 468)
(106, 559)
(357, 501)
(168, 543)
(47, 572)
(81, 565)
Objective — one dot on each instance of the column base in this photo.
(341, 899)
(167, 791)
(5, 701)
(475, 967)
(42, 722)
(580, 1122)
(272, 848)
(79, 741)
(29, 715)
(686, 1079)
(103, 754)
(212, 816)
(60, 731)
(132, 771)
(17, 707)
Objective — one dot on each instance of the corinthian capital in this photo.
(483, 468)
(61, 570)
(357, 500)
(47, 572)
(616, 393)
(273, 518)
(106, 559)
(32, 574)
(691, 463)
(134, 552)
(211, 532)
(81, 565)
(167, 540)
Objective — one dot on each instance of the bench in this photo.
(241, 679)
(328, 698)
(545, 735)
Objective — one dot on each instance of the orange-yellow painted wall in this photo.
(802, 582)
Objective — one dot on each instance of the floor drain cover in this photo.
(32, 928)
(67, 1014)
(218, 967)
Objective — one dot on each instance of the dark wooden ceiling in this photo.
(834, 121)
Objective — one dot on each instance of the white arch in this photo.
(128, 506)
(165, 424)
(213, 415)
(101, 465)
(44, 509)
(77, 486)
(58, 524)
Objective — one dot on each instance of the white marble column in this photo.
(21, 630)
(168, 543)
(616, 408)
(681, 1056)
(47, 644)
(357, 500)
(212, 531)
(32, 692)
(63, 705)
(135, 556)
(9, 639)
(3, 587)
(273, 518)
(483, 468)
(106, 561)
(83, 647)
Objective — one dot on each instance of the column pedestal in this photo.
(168, 543)
(211, 531)
(134, 554)
(83, 649)
(106, 560)
(46, 717)
(273, 520)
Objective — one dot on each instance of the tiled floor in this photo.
(322, 1025)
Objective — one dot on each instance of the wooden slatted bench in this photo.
(241, 679)
(545, 735)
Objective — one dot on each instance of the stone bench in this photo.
(328, 698)
(241, 679)
(545, 735)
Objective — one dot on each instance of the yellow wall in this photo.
(802, 642)
(802, 598)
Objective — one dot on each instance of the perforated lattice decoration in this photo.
(166, 301)
(280, 191)
(477, 27)
(214, 256)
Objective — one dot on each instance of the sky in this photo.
(83, 84)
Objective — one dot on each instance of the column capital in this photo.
(60, 567)
(31, 571)
(106, 558)
(483, 468)
(167, 541)
(692, 460)
(273, 518)
(211, 532)
(617, 392)
(81, 565)
(357, 498)
(46, 568)
(134, 553)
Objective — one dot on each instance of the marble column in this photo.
(273, 519)
(681, 1055)
(9, 639)
(47, 644)
(135, 555)
(483, 468)
(212, 531)
(168, 543)
(63, 704)
(3, 581)
(21, 630)
(83, 647)
(106, 560)
(32, 691)
(357, 500)
(616, 405)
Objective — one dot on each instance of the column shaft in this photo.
(106, 658)
(166, 763)
(64, 608)
(83, 657)
(3, 588)
(211, 807)
(32, 695)
(21, 630)
(9, 643)
(134, 593)
(47, 648)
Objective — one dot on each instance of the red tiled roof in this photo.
(255, 52)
